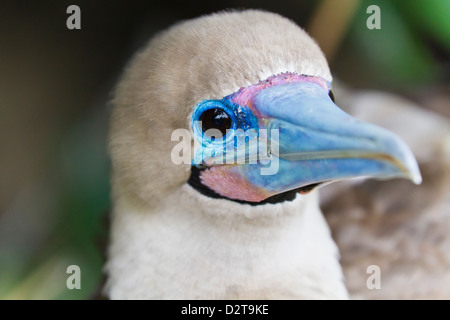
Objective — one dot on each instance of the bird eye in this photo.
(215, 118)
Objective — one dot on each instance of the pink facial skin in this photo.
(227, 180)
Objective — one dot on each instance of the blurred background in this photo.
(55, 85)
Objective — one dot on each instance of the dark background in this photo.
(55, 85)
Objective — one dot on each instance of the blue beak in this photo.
(318, 142)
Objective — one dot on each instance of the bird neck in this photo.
(196, 247)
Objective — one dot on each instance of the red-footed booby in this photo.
(207, 229)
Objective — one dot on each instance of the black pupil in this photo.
(215, 119)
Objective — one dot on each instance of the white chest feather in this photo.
(194, 247)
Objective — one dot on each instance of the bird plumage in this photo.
(196, 247)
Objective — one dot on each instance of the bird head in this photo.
(252, 92)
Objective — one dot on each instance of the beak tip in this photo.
(416, 177)
(412, 171)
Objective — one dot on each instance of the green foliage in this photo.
(82, 192)
(430, 18)
(394, 57)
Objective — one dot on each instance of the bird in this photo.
(233, 222)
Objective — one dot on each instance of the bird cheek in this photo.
(228, 182)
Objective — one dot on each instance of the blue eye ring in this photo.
(205, 106)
